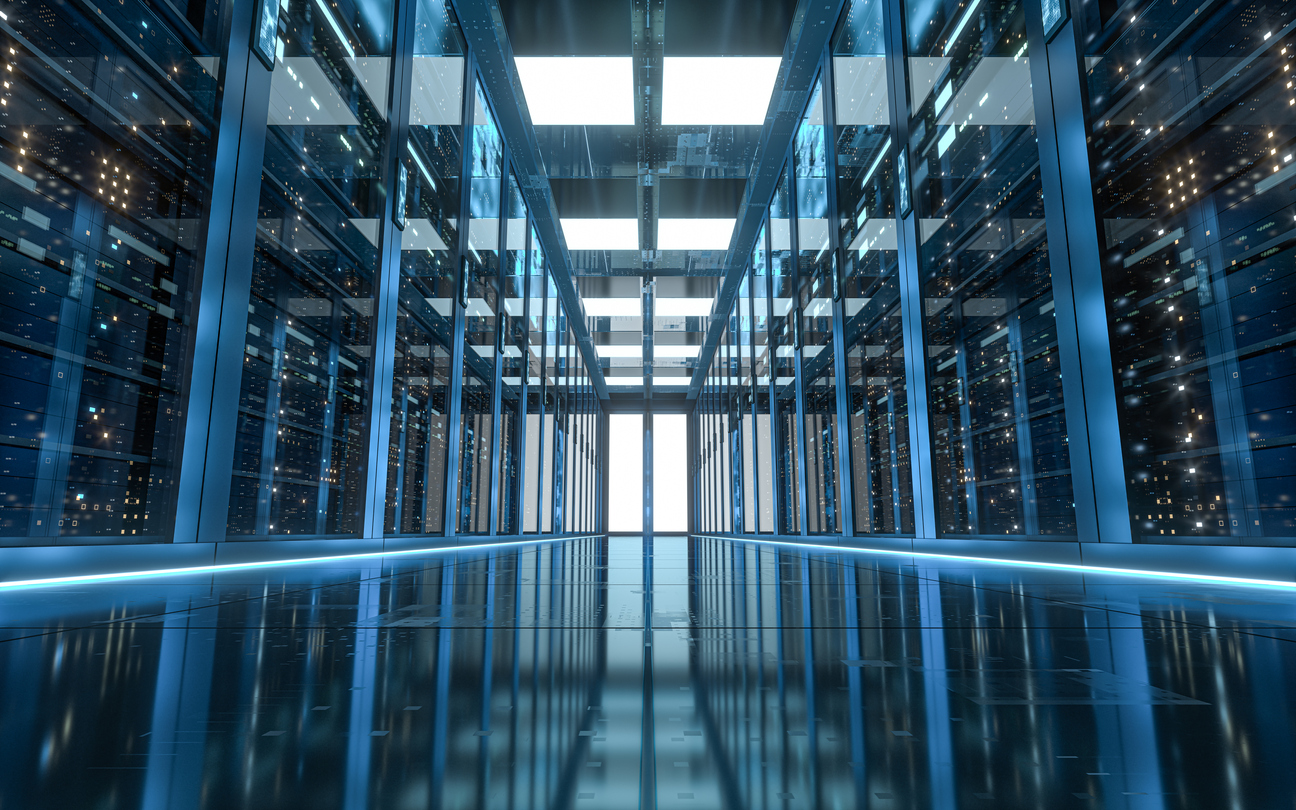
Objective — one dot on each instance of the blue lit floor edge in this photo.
(214, 568)
(1028, 562)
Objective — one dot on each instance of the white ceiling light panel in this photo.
(619, 351)
(717, 90)
(674, 351)
(578, 90)
(694, 234)
(601, 234)
(682, 307)
(611, 307)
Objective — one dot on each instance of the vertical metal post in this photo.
(455, 390)
(544, 393)
(733, 412)
(648, 469)
(1075, 261)
(382, 368)
(519, 502)
(842, 454)
(755, 433)
(605, 459)
(798, 422)
(492, 520)
(771, 364)
(217, 338)
(910, 278)
(691, 449)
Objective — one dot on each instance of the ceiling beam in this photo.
(648, 48)
(812, 27)
(483, 26)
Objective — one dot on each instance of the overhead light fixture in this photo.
(665, 351)
(601, 234)
(631, 350)
(682, 308)
(694, 234)
(717, 90)
(578, 90)
(612, 307)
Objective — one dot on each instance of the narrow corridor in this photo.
(530, 677)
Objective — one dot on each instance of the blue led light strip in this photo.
(213, 569)
(1083, 569)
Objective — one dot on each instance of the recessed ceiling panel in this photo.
(694, 234)
(601, 234)
(595, 198)
(727, 27)
(698, 198)
(724, 90)
(569, 27)
(586, 90)
(682, 307)
(611, 307)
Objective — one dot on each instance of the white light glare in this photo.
(620, 351)
(682, 307)
(661, 351)
(717, 90)
(601, 234)
(612, 307)
(578, 90)
(694, 234)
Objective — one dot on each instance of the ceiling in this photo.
(646, 200)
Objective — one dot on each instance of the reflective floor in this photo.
(766, 678)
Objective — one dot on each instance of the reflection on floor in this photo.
(766, 678)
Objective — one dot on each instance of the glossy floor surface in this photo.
(619, 674)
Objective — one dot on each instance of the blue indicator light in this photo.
(215, 569)
(1082, 569)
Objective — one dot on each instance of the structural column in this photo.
(224, 291)
(910, 277)
(454, 391)
(388, 293)
(1088, 383)
(842, 455)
